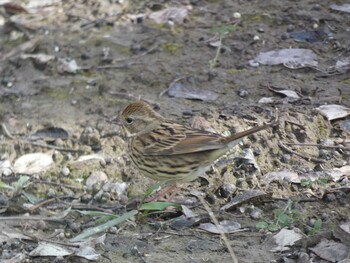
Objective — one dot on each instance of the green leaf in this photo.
(306, 182)
(283, 220)
(20, 184)
(100, 228)
(104, 219)
(262, 225)
(6, 186)
(157, 206)
(273, 227)
(31, 198)
(94, 213)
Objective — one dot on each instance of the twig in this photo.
(58, 184)
(99, 20)
(308, 158)
(32, 218)
(111, 66)
(139, 253)
(6, 131)
(52, 241)
(320, 146)
(223, 236)
(301, 126)
(172, 83)
(58, 148)
(45, 202)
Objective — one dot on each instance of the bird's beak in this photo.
(116, 120)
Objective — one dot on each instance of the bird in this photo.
(164, 150)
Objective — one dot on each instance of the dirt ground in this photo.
(122, 55)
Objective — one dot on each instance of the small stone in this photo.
(95, 177)
(261, 30)
(256, 38)
(74, 226)
(59, 142)
(211, 198)
(103, 162)
(108, 160)
(237, 15)
(4, 201)
(65, 171)
(307, 229)
(86, 198)
(242, 93)
(311, 222)
(330, 198)
(88, 130)
(113, 230)
(303, 257)
(290, 28)
(255, 213)
(325, 217)
(226, 190)
(74, 102)
(284, 36)
(69, 156)
(7, 172)
(286, 158)
(51, 193)
(123, 199)
(41, 225)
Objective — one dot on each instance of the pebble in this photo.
(59, 142)
(7, 172)
(286, 158)
(256, 213)
(74, 226)
(86, 198)
(65, 171)
(330, 198)
(242, 93)
(95, 177)
(290, 28)
(284, 36)
(69, 156)
(237, 15)
(113, 230)
(303, 257)
(311, 222)
(4, 201)
(226, 190)
(211, 198)
(51, 193)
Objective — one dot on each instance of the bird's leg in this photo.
(163, 193)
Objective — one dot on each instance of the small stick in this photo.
(55, 147)
(32, 218)
(308, 158)
(320, 145)
(223, 236)
(7, 133)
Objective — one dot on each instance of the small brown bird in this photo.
(164, 150)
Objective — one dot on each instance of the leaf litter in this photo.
(55, 191)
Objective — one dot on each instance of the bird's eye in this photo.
(129, 120)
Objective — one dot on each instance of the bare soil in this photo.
(122, 61)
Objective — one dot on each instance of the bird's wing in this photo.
(171, 138)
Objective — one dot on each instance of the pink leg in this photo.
(163, 193)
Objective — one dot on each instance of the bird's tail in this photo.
(234, 139)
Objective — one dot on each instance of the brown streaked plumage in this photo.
(164, 150)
